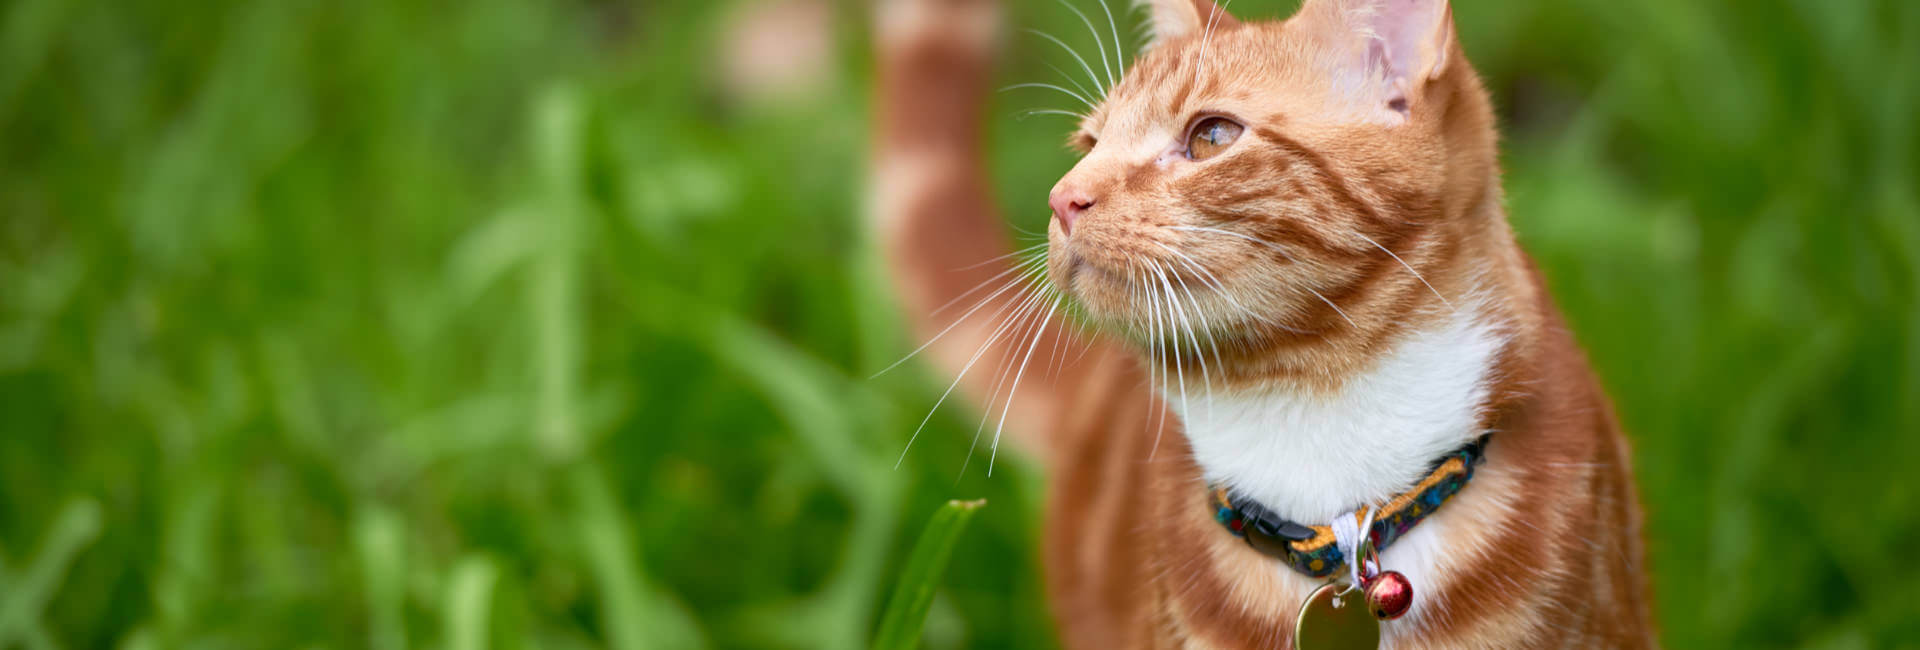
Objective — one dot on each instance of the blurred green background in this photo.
(386, 324)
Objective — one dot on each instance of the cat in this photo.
(1290, 235)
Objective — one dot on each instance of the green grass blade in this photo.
(27, 594)
(907, 610)
(469, 600)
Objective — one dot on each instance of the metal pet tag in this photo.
(1329, 620)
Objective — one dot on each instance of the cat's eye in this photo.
(1210, 136)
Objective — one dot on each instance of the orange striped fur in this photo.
(1364, 203)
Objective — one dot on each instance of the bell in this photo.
(1389, 595)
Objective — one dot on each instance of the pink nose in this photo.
(1068, 204)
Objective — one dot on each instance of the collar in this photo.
(1311, 549)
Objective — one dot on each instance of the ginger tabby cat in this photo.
(1291, 235)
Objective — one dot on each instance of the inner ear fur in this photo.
(1392, 46)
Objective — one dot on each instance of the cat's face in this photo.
(1243, 179)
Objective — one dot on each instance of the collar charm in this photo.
(1328, 618)
(1331, 619)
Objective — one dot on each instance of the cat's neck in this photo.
(1310, 453)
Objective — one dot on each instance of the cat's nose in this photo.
(1068, 203)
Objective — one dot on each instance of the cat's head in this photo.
(1255, 181)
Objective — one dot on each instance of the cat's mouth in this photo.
(1177, 293)
(1126, 295)
(1079, 267)
(1099, 290)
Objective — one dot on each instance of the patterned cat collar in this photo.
(1311, 549)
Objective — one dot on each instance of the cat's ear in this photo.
(1176, 19)
(1394, 47)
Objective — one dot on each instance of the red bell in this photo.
(1389, 595)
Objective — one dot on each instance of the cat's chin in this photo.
(1105, 294)
(1110, 300)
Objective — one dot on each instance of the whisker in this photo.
(1086, 340)
(1256, 240)
(1208, 329)
(1173, 307)
(1054, 357)
(995, 336)
(1142, 29)
(1027, 276)
(1048, 86)
(1206, 39)
(1051, 111)
(1156, 354)
(1211, 342)
(1008, 408)
(1208, 277)
(997, 258)
(1024, 268)
(1289, 256)
(1031, 235)
(1063, 75)
(1409, 267)
(1054, 360)
(1134, 291)
(1096, 39)
(1119, 53)
(1018, 333)
(1336, 308)
(1022, 323)
(1220, 288)
(1199, 355)
(1076, 56)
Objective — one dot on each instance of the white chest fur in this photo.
(1310, 456)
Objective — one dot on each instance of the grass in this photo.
(906, 615)
(506, 324)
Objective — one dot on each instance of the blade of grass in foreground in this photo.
(907, 610)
